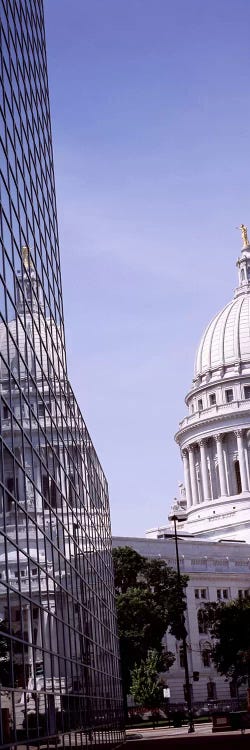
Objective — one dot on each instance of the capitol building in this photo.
(214, 437)
(213, 508)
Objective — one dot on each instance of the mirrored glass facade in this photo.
(59, 657)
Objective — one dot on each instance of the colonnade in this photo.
(197, 468)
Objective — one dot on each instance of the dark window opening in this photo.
(53, 493)
(49, 489)
(6, 412)
(10, 491)
(41, 410)
(211, 690)
(238, 477)
(71, 490)
(202, 621)
(206, 657)
(233, 690)
(212, 399)
(45, 486)
(10, 484)
(247, 391)
(229, 395)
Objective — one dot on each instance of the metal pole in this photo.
(184, 641)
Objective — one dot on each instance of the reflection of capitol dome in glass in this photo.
(38, 339)
(36, 356)
(227, 338)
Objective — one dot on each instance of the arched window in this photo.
(238, 477)
(202, 621)
(242, 274)
(206, 654)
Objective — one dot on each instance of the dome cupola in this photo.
(243, 264)
(226, 340)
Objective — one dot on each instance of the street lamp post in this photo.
(176, 518)
(166, 695)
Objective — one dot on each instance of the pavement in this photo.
(148, 733)
(203, 737)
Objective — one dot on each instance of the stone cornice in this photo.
(214, 420)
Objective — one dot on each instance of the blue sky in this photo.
(150, 113)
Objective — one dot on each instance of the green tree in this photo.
(146, 685)
(4, 653)
(4, 647)
(128, 565)
(230, 626)
(149, 601)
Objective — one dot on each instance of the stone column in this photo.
(193, 477)
(242, 462)
(187, 480)
(221, 466)
(204, 471)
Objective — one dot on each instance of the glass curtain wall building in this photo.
(59, 658)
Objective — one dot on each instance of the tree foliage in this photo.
(230, 626)
(149, 600)
(4, 653)
(146, 685)
(4, 644)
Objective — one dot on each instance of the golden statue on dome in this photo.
(245, 239)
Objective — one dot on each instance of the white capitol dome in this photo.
(226, 340)
(214, 437)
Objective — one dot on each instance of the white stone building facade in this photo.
(217, 572)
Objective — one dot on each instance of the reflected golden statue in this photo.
(245, 239)
(25, 256)
(27, 262)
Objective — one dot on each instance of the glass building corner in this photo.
(59, 655)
